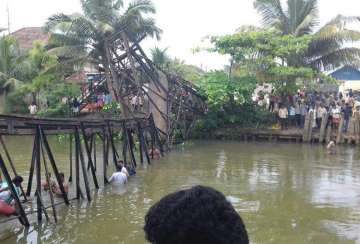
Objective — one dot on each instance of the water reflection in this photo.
(285, 193)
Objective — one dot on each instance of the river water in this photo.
(286, 193)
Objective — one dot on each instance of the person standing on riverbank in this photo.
(298, 113)
(347, 111)
(283, 116)
(321, 111)
(33, 109)
(292, 115)
(303, 112)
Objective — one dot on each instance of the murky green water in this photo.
(286, 193)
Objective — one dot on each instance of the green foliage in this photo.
(300, 18)
(229, 103)
(53, 95)
(188, 72)
(15, 103)
(220, 91)
(272, 58)
(175, 66)
(112, 108)
(10, 62)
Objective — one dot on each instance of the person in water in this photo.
(155, 154)
(119, 177)
(5, 192)
(57, 190)
(195, 216)
(122, 168)
(331, 148)
(48, 185)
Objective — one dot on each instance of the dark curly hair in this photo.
(198, 215)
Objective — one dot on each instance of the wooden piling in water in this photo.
(357, 128)
(47, 177)
(114, 151)
(324, 123)
(339, 137)
(77, 170)
(94, 152)
(38, 176)
(143, 143)
(71, 156)
(32, 167)
(90, 162)
(82, 162)
(105, 143)
(131, 148)
(53, 165)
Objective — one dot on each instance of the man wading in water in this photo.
(120, 177)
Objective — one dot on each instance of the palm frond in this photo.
(307, 19)
(13, 83)
(341, 21)
(272, 13)
(340, 37)
(55, 20)
(144, 27)
(137, 7)
(337, 58)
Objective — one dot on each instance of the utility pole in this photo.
(8, 15)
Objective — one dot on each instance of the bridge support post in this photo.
(32, 167)
(90, 162)
(82, 161)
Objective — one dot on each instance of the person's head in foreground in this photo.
(198, 215)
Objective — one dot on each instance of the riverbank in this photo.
(325, 134)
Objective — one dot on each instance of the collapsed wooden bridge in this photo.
(82, 135)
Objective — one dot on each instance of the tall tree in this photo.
(11, 65)
(301, 17)
(160, 57)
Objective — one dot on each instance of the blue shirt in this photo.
(6, 196)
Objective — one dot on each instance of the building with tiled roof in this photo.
(27, 35)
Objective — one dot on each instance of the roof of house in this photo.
(26, 36)
(346, 73)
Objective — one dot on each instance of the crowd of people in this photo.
(291, 110)
(94, 103)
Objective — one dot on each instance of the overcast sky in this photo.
(184, 22)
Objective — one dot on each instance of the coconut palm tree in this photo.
(82, 38)
(159, 57)
(10, 63)
(300, 17)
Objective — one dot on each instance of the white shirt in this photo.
(283, 113)
(33, 109)
(135, 100)
(118, 178)
(321, 111)
(124, 170)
